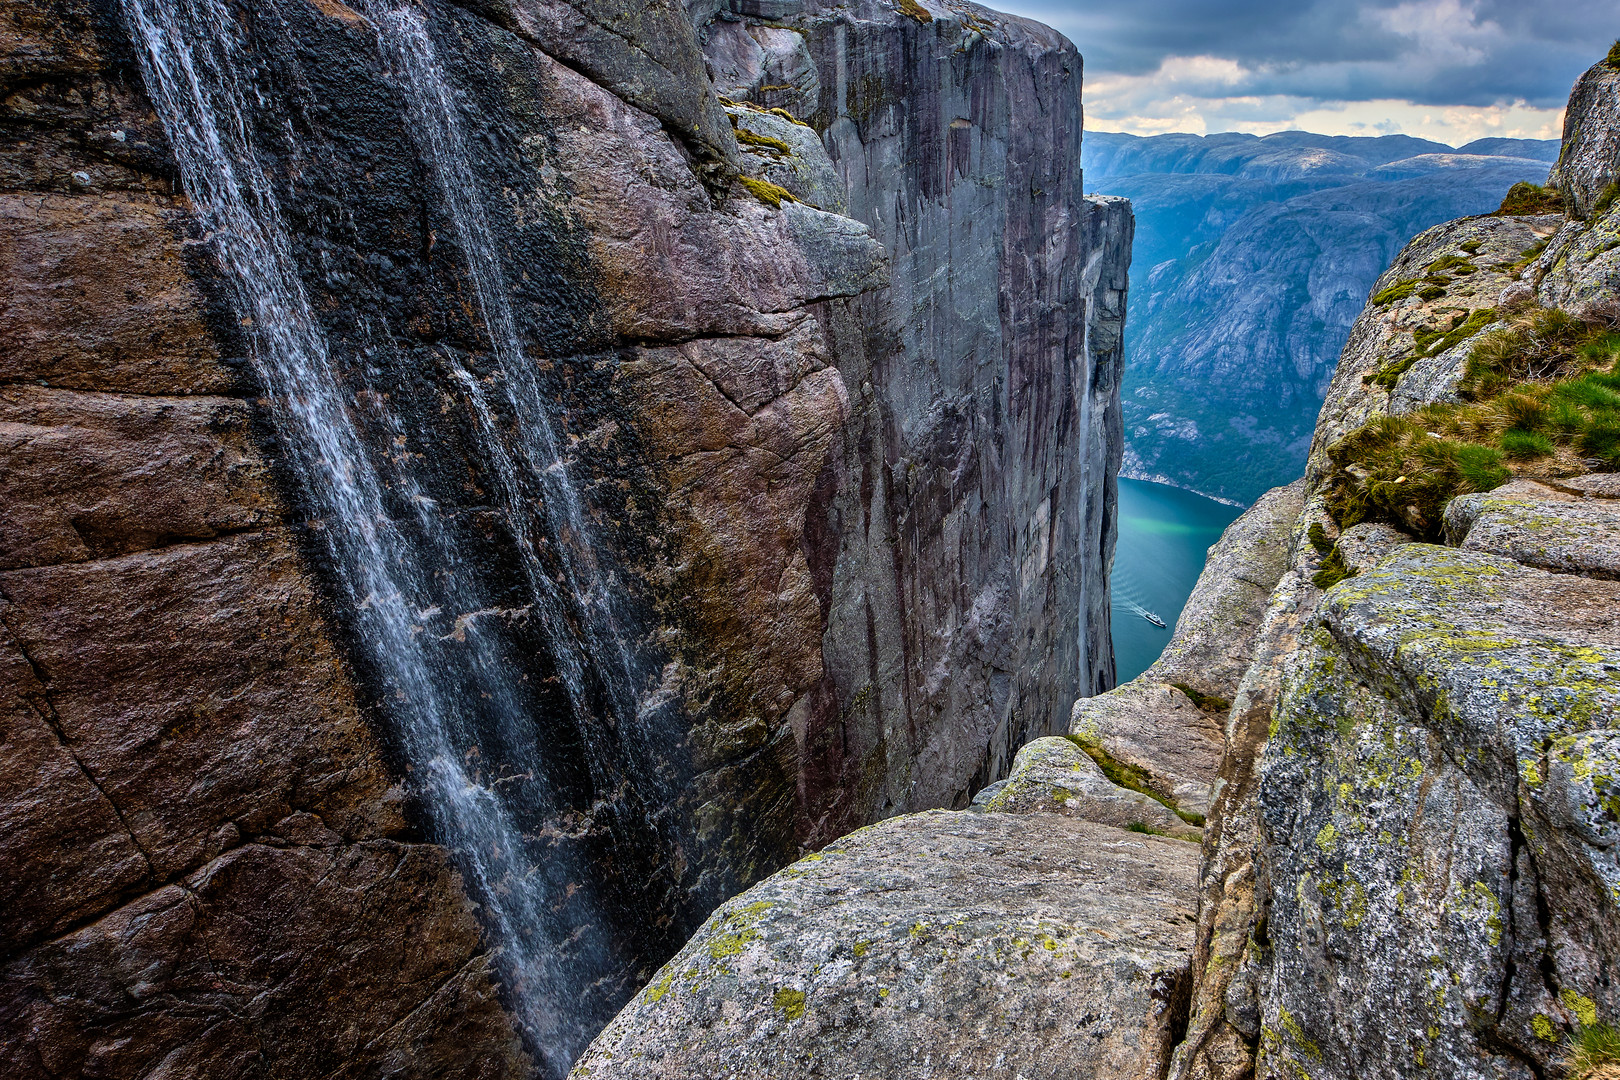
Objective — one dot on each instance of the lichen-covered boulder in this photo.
(939, 944)
(1440, 804)
(1540, 526)
(1055, 775)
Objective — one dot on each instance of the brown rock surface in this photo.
(90, 475)
(200, 864)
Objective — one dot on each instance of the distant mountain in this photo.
(1253, 256)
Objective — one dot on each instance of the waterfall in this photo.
(426, 632)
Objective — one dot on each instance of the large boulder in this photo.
(1440, 800)
(944, 943)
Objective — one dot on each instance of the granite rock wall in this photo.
(852, 476)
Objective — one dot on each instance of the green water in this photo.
(1164, 534)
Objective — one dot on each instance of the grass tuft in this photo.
(1595, 1049)
(1613, 59)
(1525, 198)
(1542, 392)
(1521, 445)
(916, 11)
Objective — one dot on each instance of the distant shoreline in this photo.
(1126, 473)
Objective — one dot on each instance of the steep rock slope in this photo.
(984, 430)
(217, 815)
(1255, 256)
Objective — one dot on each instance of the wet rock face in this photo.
(206, 865)
(959, 943)
(842, 543)
(968, 531)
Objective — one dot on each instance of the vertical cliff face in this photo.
(972, 522)
(425, 454)
(206, 866)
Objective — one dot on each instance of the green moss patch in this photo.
(1606, 199)
(1131, 777)
(916, 11)
(1432, 342)
(764, 142)
(1208, 702)
(1334, 569)
(770, 194)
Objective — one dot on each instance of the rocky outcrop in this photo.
(960, 943)
(1166, 723)
(1588, 171)
(1416, 791)
(842, 505)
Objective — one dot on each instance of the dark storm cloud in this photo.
(1431, 52)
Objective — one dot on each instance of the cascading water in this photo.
(430, 635)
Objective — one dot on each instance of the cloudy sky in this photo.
(1451, 70)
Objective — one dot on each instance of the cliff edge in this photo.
(1392, 704)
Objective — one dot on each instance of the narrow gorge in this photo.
(487, 482)
(557, 539)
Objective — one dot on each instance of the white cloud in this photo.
(1202, 94)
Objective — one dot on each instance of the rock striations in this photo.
(1402, 731)
(824, 341)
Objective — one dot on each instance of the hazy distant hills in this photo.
(1253, 256)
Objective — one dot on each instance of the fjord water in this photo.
(448, 649)
(1164, 534)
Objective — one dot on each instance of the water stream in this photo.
(431, 635)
